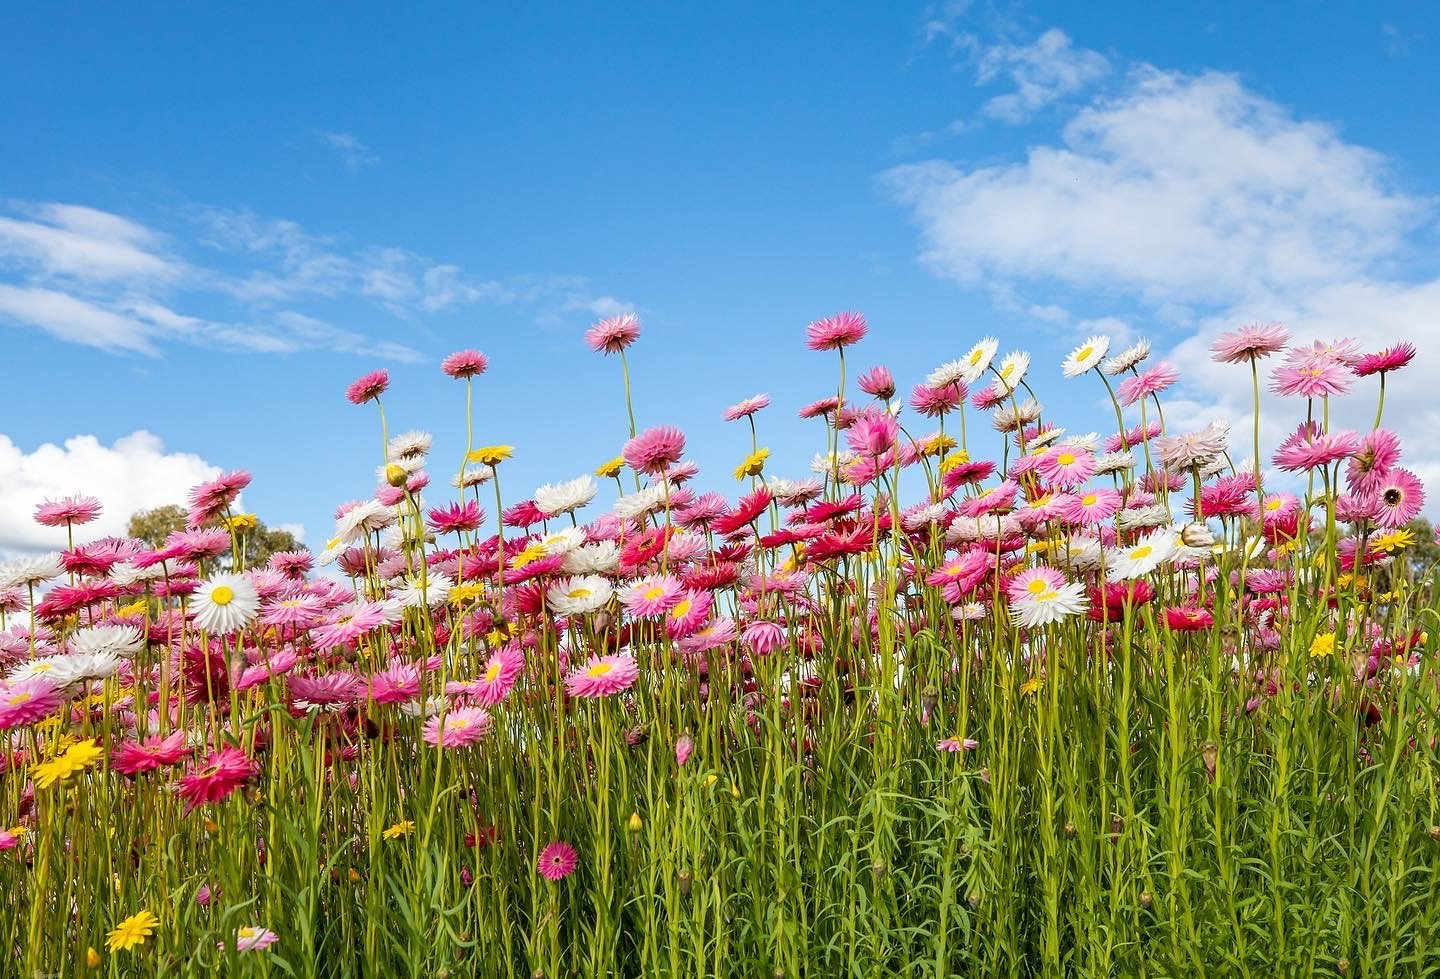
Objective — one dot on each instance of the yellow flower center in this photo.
(578, 593)
(599, 669)
(1066, 458)
(1085, 352)
(1037, 587)
(1273, 504)
(680, 609)
(975, 356)
(1090, 499)
(654, 593)
(222, 595)
(492, 673)
(1141, 552)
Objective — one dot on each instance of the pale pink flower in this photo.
(614, 334)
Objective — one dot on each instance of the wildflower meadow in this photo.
(981, 695)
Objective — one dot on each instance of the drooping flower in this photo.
(684, 746)
(368, 388)
(602, 676)
(835, 332)
(877, 382)
(956, 744)
(132, 758)
(557, 861)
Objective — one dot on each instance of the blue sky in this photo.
(210, 221)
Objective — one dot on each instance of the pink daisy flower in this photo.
(955, 745)
(1309, 448)
(835, 332)
(652, 595)
(1379, 452)
(70, 510)
(1389, 359)
(1034, 581)
(816, 409)
(457, 728)
(465, 364)
(688, 614)
(684, 747)
(613, 335)
(328, 691)
(763, 638)
(872, 435)
(602, 676)
(221, 773)
(934, 402)
(1066, 467)
(347, 624)
(878, 382)
(395, 684)
(557, 861)
(300, 612)
(455, 518)
(1399, 499)
(746, 408)
(254, 939)
(1093, 506)
(28, 701)
(292, 564)
(368, 388)
(655, 449)
(131, 757)
(1315, 379)
(1153, 381)
(1250, 342)
(501, 673)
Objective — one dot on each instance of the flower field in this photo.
(982, 696)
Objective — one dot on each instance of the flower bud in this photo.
(1146, 899)
(92, 959)
(1197, 535)
(635, 823)
(685, 879)
(1070, 831)
(395, 475)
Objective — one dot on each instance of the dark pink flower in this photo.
(368, 388)
(835, 332)
(465, 364)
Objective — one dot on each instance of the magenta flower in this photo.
(684, 746)
(1153, 381)
(602, 676)
(835, 332)
(655, 450)
(763, 637)
(70, 510)
(956, 744)
(1315, 379)
(209, 500)
(872, 435)
(878, 382)
(557, 861)
(132, 758)
(1399, 499)
(612, 335)
(457, 728)
(1389, 359)
(216, 778)
(1250, 342)
(464, 364)
(368, 388)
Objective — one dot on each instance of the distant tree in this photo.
(260, 541)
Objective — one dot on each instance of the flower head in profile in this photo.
(368, 388)
(878, 382)
(956, 744)
(602, 676)
(68, 511)
(746, 408)
(553, 499)
(1389, 359)
(835, 332)
(1250, 343)
(977, 361)
(131, 932)
(463, 364)
(753, 464)
(209, 500)
(253, 938)
(491, 455)
(557, 861)
(655, 450)
(72, 761)
(613, 334)
(1153, 381)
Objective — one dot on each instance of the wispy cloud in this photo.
(1042, 72)
(236, 280)
(353, 153)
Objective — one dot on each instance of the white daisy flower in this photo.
(641, 503)
(978, 359)
(432, 592)
(1035, 610)
(1127, 358)
(62, 670)
(789, 491)
(1113, 462)
(1152, 550)
(580, 595)
(946, 374)
(553, 499)
(474, 476)
(563, 541)
(1086, 357)
(363, 518)
(224, 604)
(408, 444)
(1012, 371)
(1139, 518)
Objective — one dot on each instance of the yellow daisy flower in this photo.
(491, 455)
(132, 931)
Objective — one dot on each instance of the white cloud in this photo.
(74, 320)
(135, 473)
(1184, 189)
(355, 154)
(1043, 72)
(80, 243)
